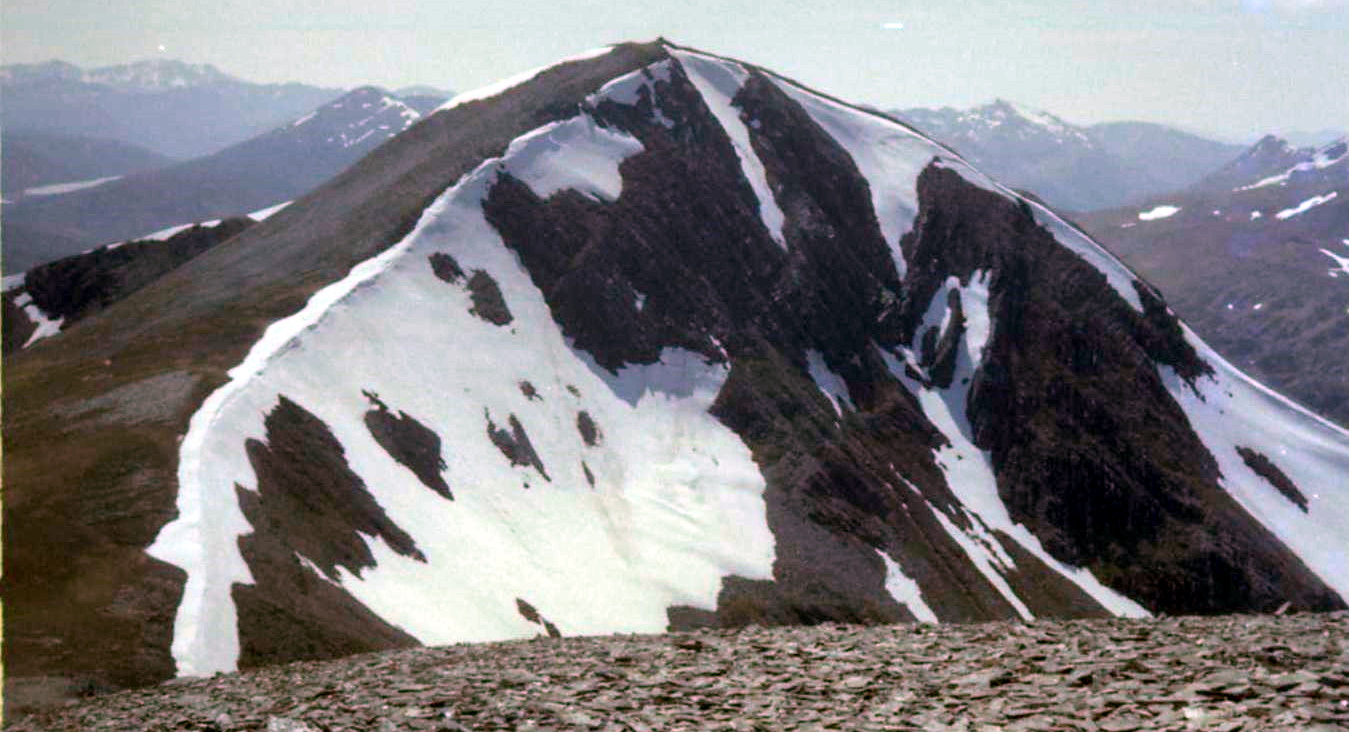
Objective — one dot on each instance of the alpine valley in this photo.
(648, 339)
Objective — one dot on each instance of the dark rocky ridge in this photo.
(77, 286)
(1248, 673)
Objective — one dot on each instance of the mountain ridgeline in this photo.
(651, 339)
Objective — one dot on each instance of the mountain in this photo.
(645, 339)
(176, 109)
(276, 166)
(1254, 257)
(37, 159)
(1071, 166)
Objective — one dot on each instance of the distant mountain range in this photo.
(173, 108)
(43, 159)
(270, 168)
(1256, 258)
(1072, 166)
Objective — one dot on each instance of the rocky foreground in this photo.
(1223, 673)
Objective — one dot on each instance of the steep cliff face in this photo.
(691, 345)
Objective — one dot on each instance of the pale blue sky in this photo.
(1236, 67)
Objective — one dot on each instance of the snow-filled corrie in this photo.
(1306, 205)
(653, 511)
(830, 384)
(1158, 212)
(890, 156)
(905, 591)
(627, 89)
(718, 81)
(1229, 410)
(968, 469)
(511, 82)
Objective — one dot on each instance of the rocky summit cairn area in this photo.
(1186, 673)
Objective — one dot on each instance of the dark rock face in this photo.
(528, 612)
(1052, 420)
(410, 442)
(307, 493)
(78, 286)
(515, 445)
(1262, 465)
(308, 501)
(446, 268)
(488, 303)
(590, 432)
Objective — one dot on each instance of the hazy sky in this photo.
(1234, 68)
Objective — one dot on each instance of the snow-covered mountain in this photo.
(276, 166)
(176, 109)
(1254, 256)
(646, 339)
(1072, 166)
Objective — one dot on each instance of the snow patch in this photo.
(830, 384)
(56, 189)
(905, 590)
(1341, 262)
(718, 81)
(1306, 205)
(1158, 212)
(46, 325)
(574, 154)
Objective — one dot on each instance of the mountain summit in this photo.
(646, 339)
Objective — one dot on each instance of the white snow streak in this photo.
(1158, 212)
(718, 82)
(969, 470)
(905, 590)
(56, 189)
(1341, 262)
(1306, 206)
(830, 384)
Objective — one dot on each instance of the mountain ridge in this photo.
(857, 334)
